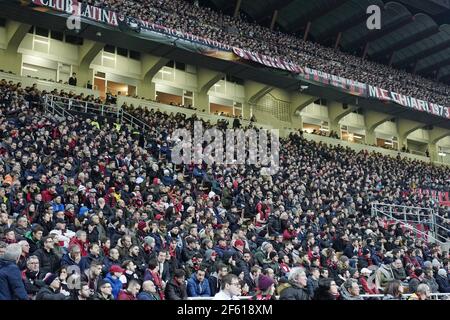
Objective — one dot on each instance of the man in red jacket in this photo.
(368, 289)
(131, 292)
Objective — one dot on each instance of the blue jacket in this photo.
(197, 289)
(115, 283)
(11, 284)
(146, 296)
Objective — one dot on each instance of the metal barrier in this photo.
(66, 106)
(410, 216)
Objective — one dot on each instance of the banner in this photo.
(216, 49)
(305, 73)
(406, 101)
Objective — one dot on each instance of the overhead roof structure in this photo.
(413, 34)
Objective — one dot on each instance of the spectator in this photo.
(51, 290)
(176, 288)
(131, 292)
(198, 285)
(73, 79)
(11, 284)
(49, 262)
(350, 290)
(297, 289)
(421, 293)
(229, 288)
(104, 291)
(393, 290)
(313, 281)
(266, 289)
(148, 291)
(326, 290)
(113, 278)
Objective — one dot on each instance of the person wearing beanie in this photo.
(11, 285)
(113, 278)
(265, 289)
(51, 291)
(443, 281)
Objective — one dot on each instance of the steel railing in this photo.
(408, 216)
(63, 105)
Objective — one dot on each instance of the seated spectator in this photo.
(198, 285)
(51, 290)
(131, 292)
(148, 291)
(326, 290)
(176, 288)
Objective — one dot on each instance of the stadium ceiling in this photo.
(414, 35)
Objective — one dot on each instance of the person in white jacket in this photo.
(230, 288)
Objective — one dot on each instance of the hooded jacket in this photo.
(115, 283)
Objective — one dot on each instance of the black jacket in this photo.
(49, 294)
(174, 291)
(48, 261)
(294, 292)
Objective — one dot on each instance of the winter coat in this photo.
(48, 261)
(11, 284)
(312, 285)
(431, 282)
(46, 293)
(443, 283)
(294, 292)
(174, 291)
(198, 289)
(115, 283)
(148, 296)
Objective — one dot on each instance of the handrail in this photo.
(95, 108)
(406, 223)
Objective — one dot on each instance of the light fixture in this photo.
(388, 143)
(324, 129)
(29, 69)
(357, 137)
(442, 154)
(41, 41)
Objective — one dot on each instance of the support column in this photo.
(205, 80)
(405, 128)
(372, 120)
(435, 135)
(274, 19)
(150, 66)
(10, 59)
(299, 102)
(87, 53)
(336, 112)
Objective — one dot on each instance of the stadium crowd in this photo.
(90, 210)
(238, 32)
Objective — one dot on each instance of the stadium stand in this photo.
(93, 207)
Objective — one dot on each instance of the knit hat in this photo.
(116, 268)
(49, 278)
(239, 243)
(141, 225)
(264, 282)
